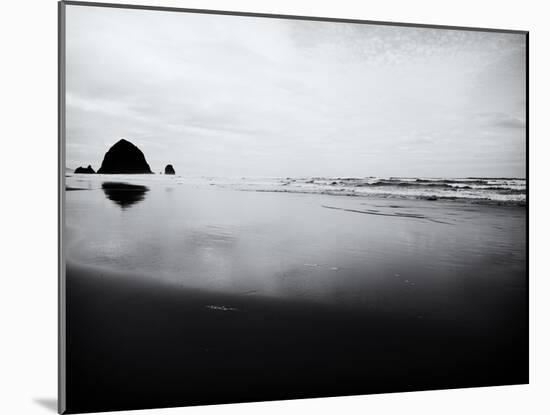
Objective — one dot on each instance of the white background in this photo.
(28, 157)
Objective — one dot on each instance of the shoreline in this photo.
(367, 197)
(385, 189)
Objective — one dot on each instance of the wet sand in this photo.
(133, 343)
(187, 295)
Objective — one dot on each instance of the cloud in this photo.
(502, 120)
(511, 122)
(227, 95)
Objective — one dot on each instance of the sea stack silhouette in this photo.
(84, 170)
(124, 158)
(169, 169)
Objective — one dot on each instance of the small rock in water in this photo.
(84, 170)
(169, 169)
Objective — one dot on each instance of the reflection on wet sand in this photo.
(235, 295)
(124, 194)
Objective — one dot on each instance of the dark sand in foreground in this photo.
(133, 343)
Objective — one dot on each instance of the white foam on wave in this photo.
(503, 190)
(477, 189)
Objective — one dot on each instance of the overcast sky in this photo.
(242, 96)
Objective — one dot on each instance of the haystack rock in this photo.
(124, 158)
(169, 169)
(85, 170)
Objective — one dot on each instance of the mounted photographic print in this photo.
(259, 207)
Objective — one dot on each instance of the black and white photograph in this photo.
(260, 208)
